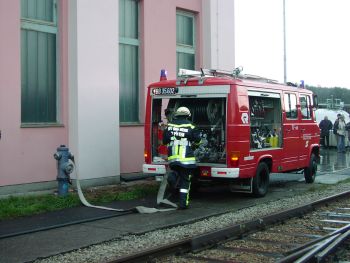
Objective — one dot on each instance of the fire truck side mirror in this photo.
(315, 101)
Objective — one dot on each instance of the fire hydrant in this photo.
(64, 169)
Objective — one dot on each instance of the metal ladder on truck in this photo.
(185, 74)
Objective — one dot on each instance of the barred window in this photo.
(185, 40)
(39, 61)
(129, 61)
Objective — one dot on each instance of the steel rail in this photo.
(333, 246)
(324, 247)
(311, 254)
(211, 238)
(312, 246)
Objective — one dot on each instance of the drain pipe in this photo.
(64, 169)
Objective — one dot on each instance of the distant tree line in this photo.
(329, 93)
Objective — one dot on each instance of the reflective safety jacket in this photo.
(180, 135)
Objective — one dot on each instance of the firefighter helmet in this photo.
(183, 111)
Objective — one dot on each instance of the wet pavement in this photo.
(332, 161)
(333, 167)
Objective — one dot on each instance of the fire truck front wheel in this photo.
(311, 170)
(261, 180)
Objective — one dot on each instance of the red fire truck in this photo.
(250, 127)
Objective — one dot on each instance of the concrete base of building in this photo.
(51, 186)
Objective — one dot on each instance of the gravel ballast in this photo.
(133, 243)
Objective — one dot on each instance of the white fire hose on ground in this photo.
(139, 209)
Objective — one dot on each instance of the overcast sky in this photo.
(318, 40)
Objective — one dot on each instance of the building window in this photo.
(290, 102)
(185, 40)
(129, 61)
(39, 61)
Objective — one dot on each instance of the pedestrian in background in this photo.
(335, 127)
(341, 134)
(325, 126)
(347, 128)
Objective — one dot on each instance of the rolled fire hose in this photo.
(138, 209)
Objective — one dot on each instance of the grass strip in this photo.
(19, 206)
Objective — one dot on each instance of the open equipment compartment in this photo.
(207, 114)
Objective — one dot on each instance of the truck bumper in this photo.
(217, 172)
(154, 169)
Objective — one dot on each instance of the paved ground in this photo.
(210, 201)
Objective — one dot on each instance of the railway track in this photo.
(308, 233)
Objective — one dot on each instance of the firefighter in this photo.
(181, 136)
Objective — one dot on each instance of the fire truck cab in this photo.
(250, 127)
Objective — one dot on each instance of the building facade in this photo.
(76, 72)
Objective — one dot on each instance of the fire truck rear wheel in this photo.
(311, 170)
(261, 180)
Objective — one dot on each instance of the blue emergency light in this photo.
(163, 74)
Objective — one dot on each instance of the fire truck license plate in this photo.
(165, 91)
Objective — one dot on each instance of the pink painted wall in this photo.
(158, 51)
(26, 153)
(131, 149)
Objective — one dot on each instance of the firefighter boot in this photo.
(185, 185)
(184, 198)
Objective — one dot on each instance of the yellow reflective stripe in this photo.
(175, 150)
(188, 194)
(181, 125)
(182, 152)
(181, 159)
(189, 159)
(173, 157)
